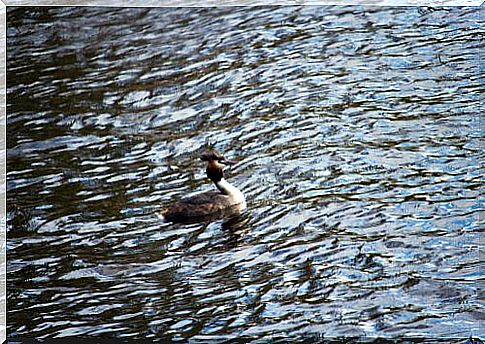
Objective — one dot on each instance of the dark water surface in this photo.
(357, 133)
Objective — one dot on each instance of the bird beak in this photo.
(228, 162)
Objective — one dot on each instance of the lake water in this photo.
(357, 136)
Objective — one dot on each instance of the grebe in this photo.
(212, 203)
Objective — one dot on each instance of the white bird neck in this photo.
(226, 188)
(232, 192)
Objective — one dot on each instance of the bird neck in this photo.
(226, 188)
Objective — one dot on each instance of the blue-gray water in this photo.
(357, 131)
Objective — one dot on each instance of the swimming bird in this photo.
(228, 198)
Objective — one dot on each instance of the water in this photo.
(357, 135)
